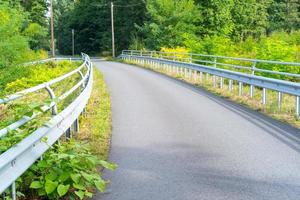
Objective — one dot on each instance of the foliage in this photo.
(92, 24)
(14, 43)
(68, 169)
(21, 77)
(284, 15)
(169, 21)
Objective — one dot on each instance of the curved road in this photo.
(173, 141)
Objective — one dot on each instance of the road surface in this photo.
(173, 141)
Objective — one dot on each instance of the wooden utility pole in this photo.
(112, 30)
(52, 29)
(73, 42)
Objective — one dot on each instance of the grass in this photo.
(96, 122)
(284, 113)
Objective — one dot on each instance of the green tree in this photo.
(169, 21)
(13, 45)
(284, 15)
(217, 17)
(250, 18)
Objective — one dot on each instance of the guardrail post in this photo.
(280, 96)
(214, 76)
(76, 125)
(201, 77)
(253, 73)
(240, 88)
(52, 96)
(264, 96)
(230, 85)
(298, 107)
(195, 75)
(221, 82)
(13, 191)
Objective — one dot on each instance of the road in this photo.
(173, 141)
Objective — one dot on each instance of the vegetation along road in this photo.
(174, 141)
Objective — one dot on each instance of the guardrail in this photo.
(250, 65)
(176, 64)
(16, 160)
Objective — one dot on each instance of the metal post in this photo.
(214, 76)
(264, 96)
(68, 133)
(52, 96)
(230, 85)
(13, 191)
(112, 30)
(253, 73)
(297, 106)
(201, 77)
(76, 125)
(240, 88)
(195, 75)
(251, 91)
(221, 82)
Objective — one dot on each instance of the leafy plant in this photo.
(68, 169)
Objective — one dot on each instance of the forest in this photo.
(267, 29)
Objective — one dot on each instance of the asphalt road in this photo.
(173, 141)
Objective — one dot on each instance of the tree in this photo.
(284, 15)
(13, 45)
(169, 21)
(250, 18)
(92, 24)
(217, 17)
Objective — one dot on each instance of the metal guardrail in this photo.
(215, 62)
(173, 65)
(16, 160)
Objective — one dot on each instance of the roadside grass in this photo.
(285, 112)
(95, 124)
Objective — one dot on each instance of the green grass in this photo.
(96, 123)
(286, 113)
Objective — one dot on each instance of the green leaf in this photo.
(62, 189)
(76, 177)
(87, 177)
(88, 194)
(80, 194)
(100, 185)
(36, 185)
(64, 176)
(79, 186)
(50, 186)
(107, 165)
(51, 176)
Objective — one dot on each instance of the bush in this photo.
(68, 169)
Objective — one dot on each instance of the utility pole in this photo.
(112, 30)
(52, 29)
(73, 42)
